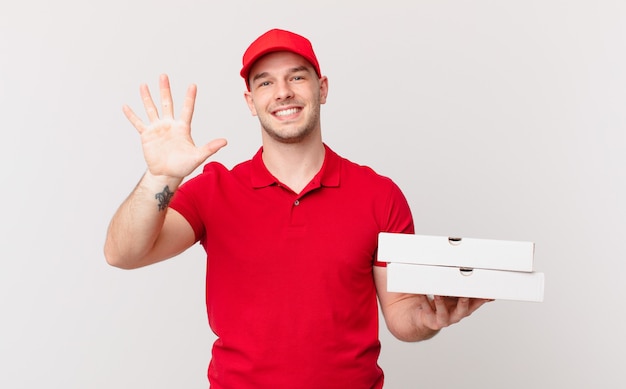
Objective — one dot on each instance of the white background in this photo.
(498, 119)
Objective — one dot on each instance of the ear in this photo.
(323, 89)
(250, 101)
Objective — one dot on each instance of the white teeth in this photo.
(286, 112)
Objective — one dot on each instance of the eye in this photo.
(263, 84)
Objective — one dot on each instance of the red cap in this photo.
(278, 40)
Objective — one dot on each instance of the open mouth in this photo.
(287, 112)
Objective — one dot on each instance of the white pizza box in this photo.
(462, 282)
(462, 267)
(457, 252)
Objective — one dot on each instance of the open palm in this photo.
(167, 145)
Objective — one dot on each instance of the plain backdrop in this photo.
(498, 119)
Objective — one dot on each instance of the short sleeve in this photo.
(398, 216)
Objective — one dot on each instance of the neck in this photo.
(294, 164)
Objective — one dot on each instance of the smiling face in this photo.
(286, 94)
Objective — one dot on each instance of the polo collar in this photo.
(329, 175)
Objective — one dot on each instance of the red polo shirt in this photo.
(289, 287)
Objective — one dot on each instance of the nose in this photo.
(283, 90)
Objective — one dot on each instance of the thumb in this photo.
(212, 147)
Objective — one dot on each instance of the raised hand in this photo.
(167, 145)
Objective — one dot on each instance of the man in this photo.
(290, 235)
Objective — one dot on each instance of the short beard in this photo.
(299, 134)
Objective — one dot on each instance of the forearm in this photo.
(136, 225)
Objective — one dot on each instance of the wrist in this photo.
(157, 182)
(159, 188)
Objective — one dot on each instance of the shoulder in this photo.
(214, 170)
(369, 184)
(383, 196)
(364, 174)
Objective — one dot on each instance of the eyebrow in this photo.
(291, 71)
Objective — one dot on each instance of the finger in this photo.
(443, 316)
(430, 300)
(133, 118)
(461, 310)
(148, 103)
(477, 303)
(209, 149)
(212, 147)
(166, 97)
(188, 106)
(449, 301)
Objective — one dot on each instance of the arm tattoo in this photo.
(164, 198)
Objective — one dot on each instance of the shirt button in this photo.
(296, 203)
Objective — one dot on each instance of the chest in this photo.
(327, 226)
